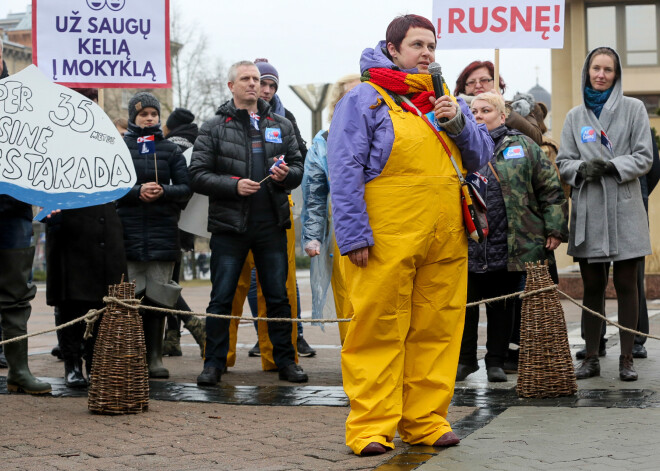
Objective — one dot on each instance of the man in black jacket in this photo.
(248, 210)
(270, 81)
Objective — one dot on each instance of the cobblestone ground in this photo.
(58, 433)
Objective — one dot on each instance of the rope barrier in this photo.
(93, 314)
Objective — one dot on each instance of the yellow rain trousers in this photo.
(401, 351)
(343, 306)
(267, 362)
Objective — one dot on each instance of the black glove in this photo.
(594, 169)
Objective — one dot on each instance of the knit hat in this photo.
(140, 101)
(267, 71)
(179, 117)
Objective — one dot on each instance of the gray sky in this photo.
(312, 41)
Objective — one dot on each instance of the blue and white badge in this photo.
(431, 117)
(588, 134)
(274, 135)
(514, 152)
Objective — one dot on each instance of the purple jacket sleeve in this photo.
(473, 141)
(360, 140)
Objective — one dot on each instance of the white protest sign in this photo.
(195, 218)
(58, 149)
(103, 43)
(499, 24)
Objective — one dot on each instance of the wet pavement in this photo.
(252, 420)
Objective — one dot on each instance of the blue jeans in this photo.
(254, 308)
(228, 253)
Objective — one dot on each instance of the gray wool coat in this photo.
(608, 221)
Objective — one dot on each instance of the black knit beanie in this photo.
(179, 117)
(140, 101)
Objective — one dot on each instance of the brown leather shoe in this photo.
(448, 439)
(589, 367)
(373, 448)
(626, 369)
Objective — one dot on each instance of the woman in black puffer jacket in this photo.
(150, 215)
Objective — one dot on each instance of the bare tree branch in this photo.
(198, 80)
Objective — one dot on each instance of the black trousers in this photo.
(643, 313)
(228, 253)
(499, 316)
(72, 344)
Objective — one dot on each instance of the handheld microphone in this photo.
(438, 82)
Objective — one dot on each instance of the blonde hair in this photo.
(494, 99)
(338, 91)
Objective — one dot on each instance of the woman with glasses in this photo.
(523, 114)
(527, 220)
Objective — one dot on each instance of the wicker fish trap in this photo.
(119, 382)
(545, 367)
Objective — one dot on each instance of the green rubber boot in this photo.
(15, 296)
(154, 326)
(19, 377)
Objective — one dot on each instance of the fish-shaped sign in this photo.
(58, 149)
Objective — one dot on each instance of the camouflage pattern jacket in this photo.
(535, 205)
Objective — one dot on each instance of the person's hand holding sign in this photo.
(150, 192)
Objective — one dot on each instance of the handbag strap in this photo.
(492, 169)
(439, 136)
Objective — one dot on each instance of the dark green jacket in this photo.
(536, 207)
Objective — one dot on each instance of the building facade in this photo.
(632, 28)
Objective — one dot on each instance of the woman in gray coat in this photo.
(605, 147)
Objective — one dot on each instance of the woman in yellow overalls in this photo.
(397, 214)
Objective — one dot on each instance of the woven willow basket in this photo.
(119, 382)
(545, 368)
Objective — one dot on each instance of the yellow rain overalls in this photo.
(343, 306)
(267, 362)
(401, 351)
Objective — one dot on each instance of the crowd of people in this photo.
(382, 221)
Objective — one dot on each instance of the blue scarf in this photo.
(595, 100)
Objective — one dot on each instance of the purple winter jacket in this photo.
(359, 143)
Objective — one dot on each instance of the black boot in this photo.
(463, 371)
(70, 340)
(626, 369)
(154, 327)
(73, 376)
(57, 351)
(589, 367)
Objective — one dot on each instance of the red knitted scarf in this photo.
(418, 87)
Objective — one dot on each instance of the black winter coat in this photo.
(84, 254)
(223, 155)
(151, 230)
(493, 253)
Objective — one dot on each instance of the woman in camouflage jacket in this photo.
(528, 219)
